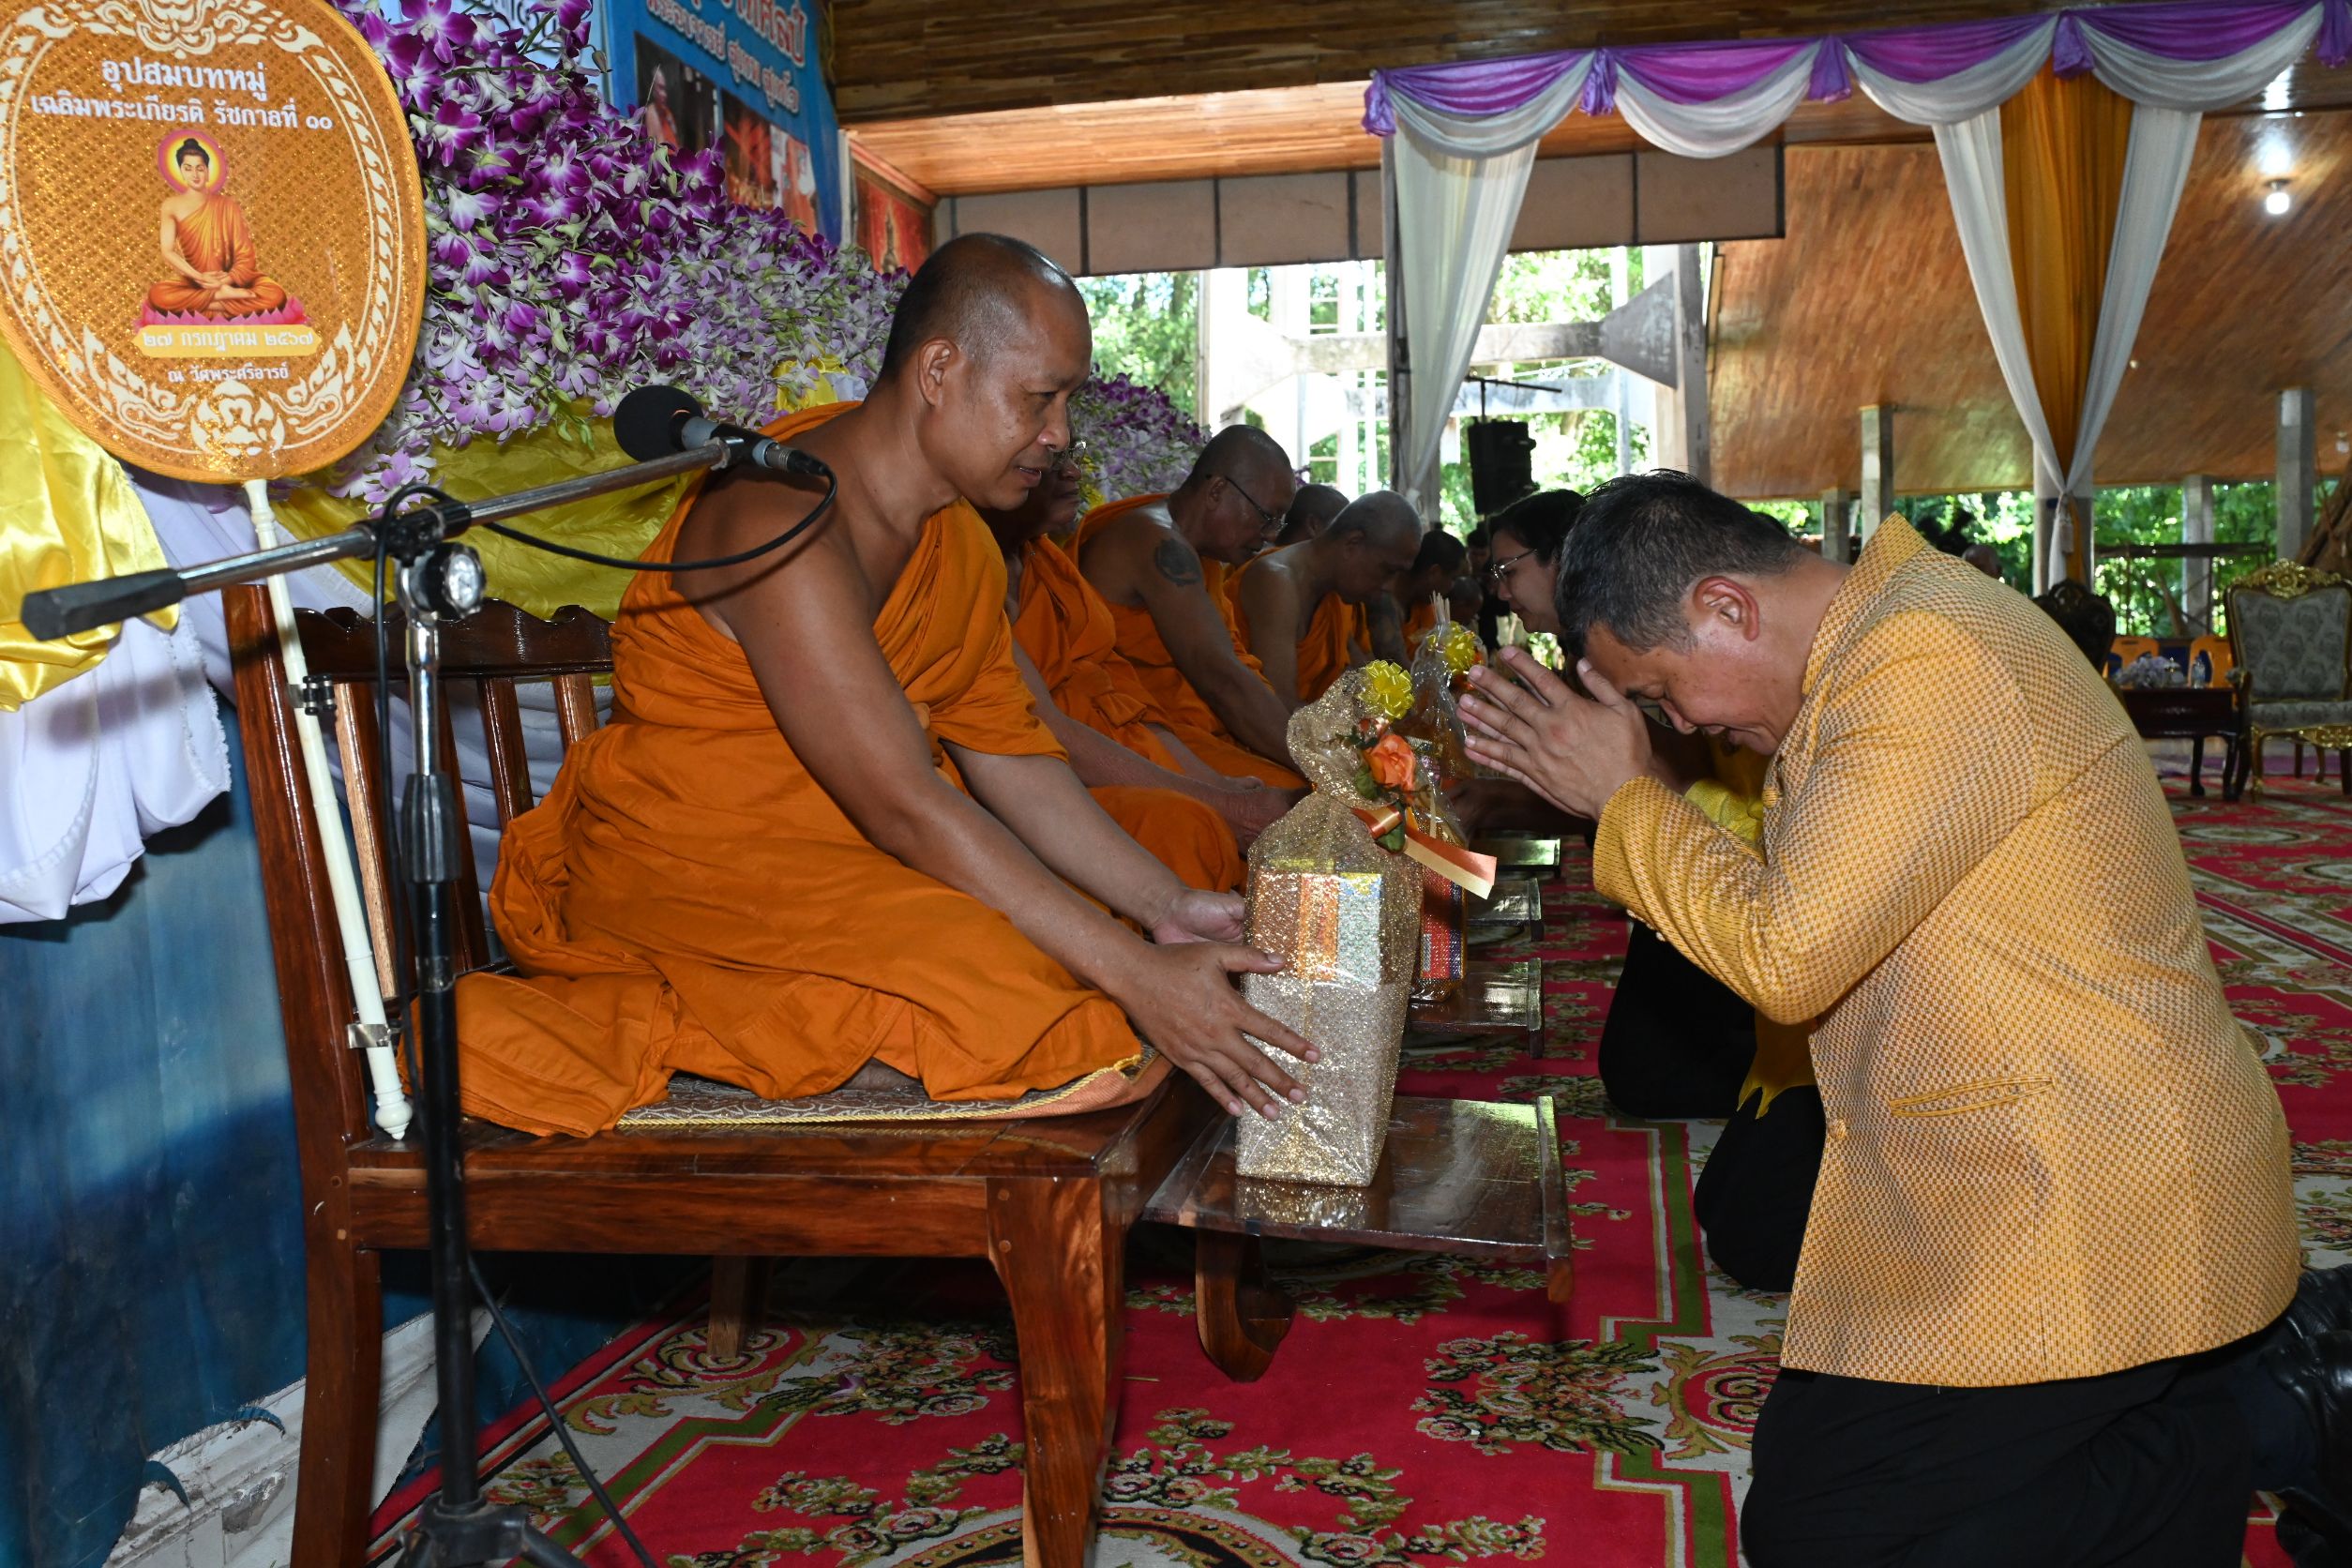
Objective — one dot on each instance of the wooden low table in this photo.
(1493, 999)
(1470, 1178)
(2192, 714)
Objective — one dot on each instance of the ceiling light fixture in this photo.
(2278, 200)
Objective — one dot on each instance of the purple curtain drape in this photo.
(1692, 73)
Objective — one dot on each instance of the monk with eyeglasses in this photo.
(1159, 562)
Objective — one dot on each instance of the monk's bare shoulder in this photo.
(742, 509)
(1269, 591)
(1134, 555)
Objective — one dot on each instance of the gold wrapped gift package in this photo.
(1345, 916)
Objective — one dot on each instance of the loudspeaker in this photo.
(1501, 462)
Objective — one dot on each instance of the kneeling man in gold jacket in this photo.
(2047, 1308)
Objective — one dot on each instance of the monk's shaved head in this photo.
(1376, 537)
(1311, 513)
(989, 342)
(1244, 453)
(975, 291)
(1243, 484)
(1384, 516)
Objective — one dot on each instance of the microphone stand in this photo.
(437, 581)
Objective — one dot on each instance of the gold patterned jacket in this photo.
(2050, 1155)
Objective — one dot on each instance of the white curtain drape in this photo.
(2155, 171)
(1971, 153)
(1459, 183)
(1456, 214)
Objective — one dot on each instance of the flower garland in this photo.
(572, 258)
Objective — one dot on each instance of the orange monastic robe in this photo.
(1067, 630)
(1419, 622)
(688, 898)
(216, 239)
(1064, 627)
(1324, 646)
(1189, 717)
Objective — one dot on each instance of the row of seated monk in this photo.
(1019, 860)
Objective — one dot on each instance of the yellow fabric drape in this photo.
(1732, 796)
(2063, 141)
(620, 524)
(68, 513)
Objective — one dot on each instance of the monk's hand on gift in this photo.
(1194, 915)
(1574, 751)
(1182, 998)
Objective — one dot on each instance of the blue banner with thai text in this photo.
(742, 76)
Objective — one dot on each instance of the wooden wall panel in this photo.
(1575, 203)
(1279, 218)
(899, 58)
(1677, 200)
(1867, 301)
(1167, 227)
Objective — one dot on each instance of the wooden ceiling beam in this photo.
(903, 59)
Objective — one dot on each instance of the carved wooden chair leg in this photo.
(342, 1388)
(1241, 1314)
(2196, 766)
(739, 1292)
(1061, 1260)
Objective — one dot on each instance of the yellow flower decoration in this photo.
(1461, 649)
(1387, 692)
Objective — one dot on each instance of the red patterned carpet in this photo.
(1422, 1411)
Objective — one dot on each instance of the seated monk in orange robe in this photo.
(1436, 568)
(825, 827)
(1175, 626)
(1194, 819)
(207, 242)
(1300, 607)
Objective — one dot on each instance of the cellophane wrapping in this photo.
(1435, 729)
(1344, 915)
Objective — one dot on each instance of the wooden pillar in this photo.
(1837, 524)
(2196, 573)
(2298, 470)
(1878, 468)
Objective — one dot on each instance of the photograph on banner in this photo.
(892, 227)
(242, 300)
(678, 105)
(744, 77)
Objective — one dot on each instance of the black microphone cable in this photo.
(387, 830)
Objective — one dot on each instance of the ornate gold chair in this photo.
(2291, 634)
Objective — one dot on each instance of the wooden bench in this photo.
(1047, 1201)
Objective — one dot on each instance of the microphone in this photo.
(655, 421)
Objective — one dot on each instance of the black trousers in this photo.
(1753, 1198)
(2150, 1467)
(1678, 1041)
